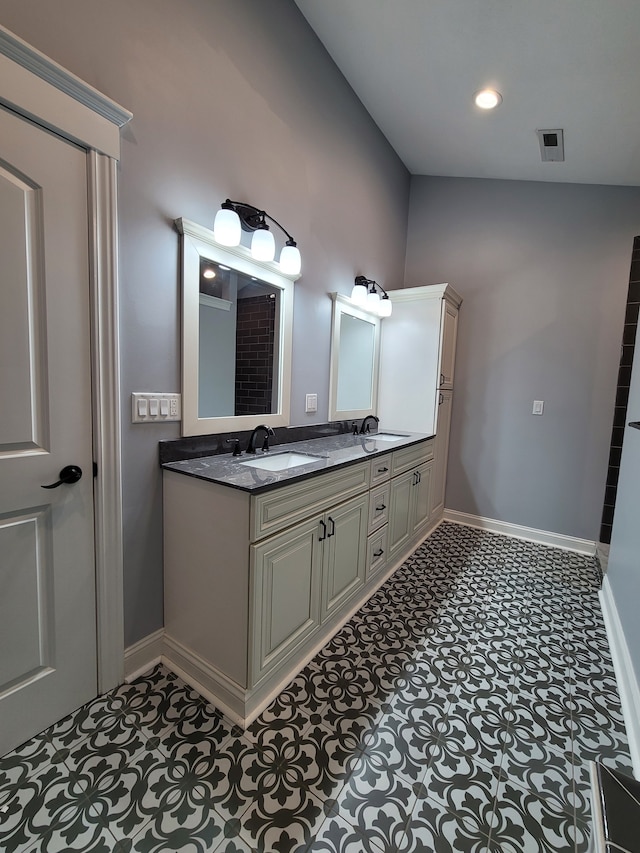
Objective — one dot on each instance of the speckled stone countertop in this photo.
(325, 454)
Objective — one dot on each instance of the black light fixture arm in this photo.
(252, 218)
(361, 279)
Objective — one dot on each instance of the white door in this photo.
(47, 577)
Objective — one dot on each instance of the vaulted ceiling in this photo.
(570, 64)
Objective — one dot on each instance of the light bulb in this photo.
(227, 228)
(487, 99)
(263, 246)
(359, 294)
(290, 260)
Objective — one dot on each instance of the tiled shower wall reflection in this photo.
(254, 355)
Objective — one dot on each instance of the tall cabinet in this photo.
(417, 365)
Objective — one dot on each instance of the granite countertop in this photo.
(326, 453)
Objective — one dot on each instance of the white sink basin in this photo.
(280, 461)
(386, 436)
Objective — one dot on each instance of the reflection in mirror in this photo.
(355, 368)
(355, 346)
(238, 325)
(237, 317)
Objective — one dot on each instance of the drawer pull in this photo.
(378, 553)
(382, 470)
(324, 531)
(381, 508)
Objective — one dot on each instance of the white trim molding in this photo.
(42, 91)
(519, 531)
(143, 655)
(105, 357)
(625, 673)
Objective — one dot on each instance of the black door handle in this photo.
(324, 531)
(333, 528)
(70, 474)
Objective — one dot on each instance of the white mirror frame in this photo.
(198, 242)
(344, 305)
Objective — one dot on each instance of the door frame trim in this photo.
(42, 91)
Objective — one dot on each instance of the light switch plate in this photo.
(311, 403)
(538, 407)
(165, 407)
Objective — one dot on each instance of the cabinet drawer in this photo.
(376, 552)
(410, 457)
(275, 510)
(379, 507)
(380, 469)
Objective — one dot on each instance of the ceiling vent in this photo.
(551, 145)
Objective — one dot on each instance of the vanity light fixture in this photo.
(236, 216)
(487, 99)
(365, 293)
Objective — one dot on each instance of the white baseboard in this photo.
(625, 673)
(143, 655)
(519, 531)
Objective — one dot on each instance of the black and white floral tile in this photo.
(457, 711)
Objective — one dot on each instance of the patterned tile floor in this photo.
(455, 712)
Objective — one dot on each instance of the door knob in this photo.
(69, 474)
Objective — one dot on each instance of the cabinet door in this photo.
(448, 344)
(285, 593)
(421, 497)
(440, 454)
(400, 505)
(345, 546)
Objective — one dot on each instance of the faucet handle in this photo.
(236, 445)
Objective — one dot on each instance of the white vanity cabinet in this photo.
(300, 577)
(440, 454)
(255, 584)
(410, 493)
(417, 362)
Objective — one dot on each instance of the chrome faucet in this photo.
(251, 447)
(364, 426)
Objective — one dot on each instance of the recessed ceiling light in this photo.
(487, 99)
(209, 273)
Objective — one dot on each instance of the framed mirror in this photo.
(237, 320)
(355, 355)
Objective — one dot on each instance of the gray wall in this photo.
(230, 98)
(543, 269)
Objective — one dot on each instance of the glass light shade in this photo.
(227, 228)
(373, 298)
(263, 246)
(385, 307)
(359, 294)
(290, 260)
